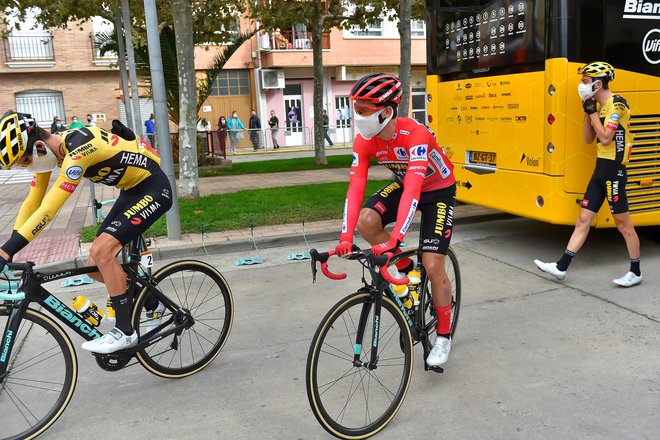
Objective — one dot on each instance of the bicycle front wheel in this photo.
(354, 402)
(203, 291)
(42, 375)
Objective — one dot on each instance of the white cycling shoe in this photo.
(440, 352)
(112, 341)
(551, 268)
(155, 317)
(628, 280)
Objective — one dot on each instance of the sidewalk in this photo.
(60, 241)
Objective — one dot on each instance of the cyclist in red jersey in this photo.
(423, 180)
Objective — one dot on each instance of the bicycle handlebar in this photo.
(380, 261)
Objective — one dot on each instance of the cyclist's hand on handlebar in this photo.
(390, 245)
(344, 248)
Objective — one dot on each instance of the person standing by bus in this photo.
(611, 128)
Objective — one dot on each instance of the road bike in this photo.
(38, 364)
(359, 364)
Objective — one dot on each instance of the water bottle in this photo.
(415, 278)
(88, 310)
(401, 291)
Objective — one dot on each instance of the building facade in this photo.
(61, 73)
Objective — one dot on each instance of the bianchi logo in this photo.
(651, 45)
(641, 9)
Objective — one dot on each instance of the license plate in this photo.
(146, 259)
(482, 157)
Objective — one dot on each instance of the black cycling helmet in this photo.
(378, 88)
(15, 137)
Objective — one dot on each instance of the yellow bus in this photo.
(502, 99)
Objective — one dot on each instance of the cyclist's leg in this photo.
(145, 204)
(437, 209)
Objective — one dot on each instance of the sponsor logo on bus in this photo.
(641, 9)
(651, 45)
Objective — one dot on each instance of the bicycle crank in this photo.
(113, 361)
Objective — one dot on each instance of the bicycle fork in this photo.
(10, 333)
(359, 339)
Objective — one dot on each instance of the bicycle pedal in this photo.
(436, 369)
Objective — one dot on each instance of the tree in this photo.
(319, 16)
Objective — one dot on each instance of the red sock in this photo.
(444, 319)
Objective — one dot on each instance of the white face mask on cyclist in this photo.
(371, 125)
(586, 91)
(44, 163)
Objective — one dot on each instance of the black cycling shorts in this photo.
(138, 208)
(608, 182)
(437, 208)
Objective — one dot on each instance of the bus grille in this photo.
(644, 167)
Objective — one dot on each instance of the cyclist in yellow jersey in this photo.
(114, 158)
(611, 128)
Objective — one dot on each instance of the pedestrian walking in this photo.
(150, 128)
(222, 134)
(610, 127)
(234, 125)
(255, 127)
(274, 124)
(326, 124)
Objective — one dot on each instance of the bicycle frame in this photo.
(34, 292)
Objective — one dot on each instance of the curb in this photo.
(199, 250)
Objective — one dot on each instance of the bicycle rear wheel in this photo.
(354, 402)
(203, 291)
(43, 370)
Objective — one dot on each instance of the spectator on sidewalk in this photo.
(203, 130)
(222, 134)
(91, 122)
(150, 130)
(255, 127)
(57, 125)
(326, 126)
(76, 123)
(274, 124)
(234, 125)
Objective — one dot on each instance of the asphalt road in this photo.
(533, 358)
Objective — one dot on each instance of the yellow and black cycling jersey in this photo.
(90, 152)
(615, 115)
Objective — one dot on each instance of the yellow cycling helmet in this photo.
(598, 69)
(14, 137)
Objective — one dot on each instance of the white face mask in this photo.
(586, 91)
(370, 126)
(42, 164)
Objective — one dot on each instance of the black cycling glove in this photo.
(589, 106)
(122, 131)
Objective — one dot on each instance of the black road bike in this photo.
(359, 364)
(38, 364)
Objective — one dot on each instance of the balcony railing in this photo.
(96, 50)
(29, 47)
(291, 40)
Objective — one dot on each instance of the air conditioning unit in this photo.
(272, 79)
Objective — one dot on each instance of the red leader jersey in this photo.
(417, 161)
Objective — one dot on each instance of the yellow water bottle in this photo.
(415, 278)
(88, 310)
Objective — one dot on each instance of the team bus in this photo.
(503, 101)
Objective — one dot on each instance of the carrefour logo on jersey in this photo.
(400, 153)
(74, 172)
(355, 160)
(418, 152)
